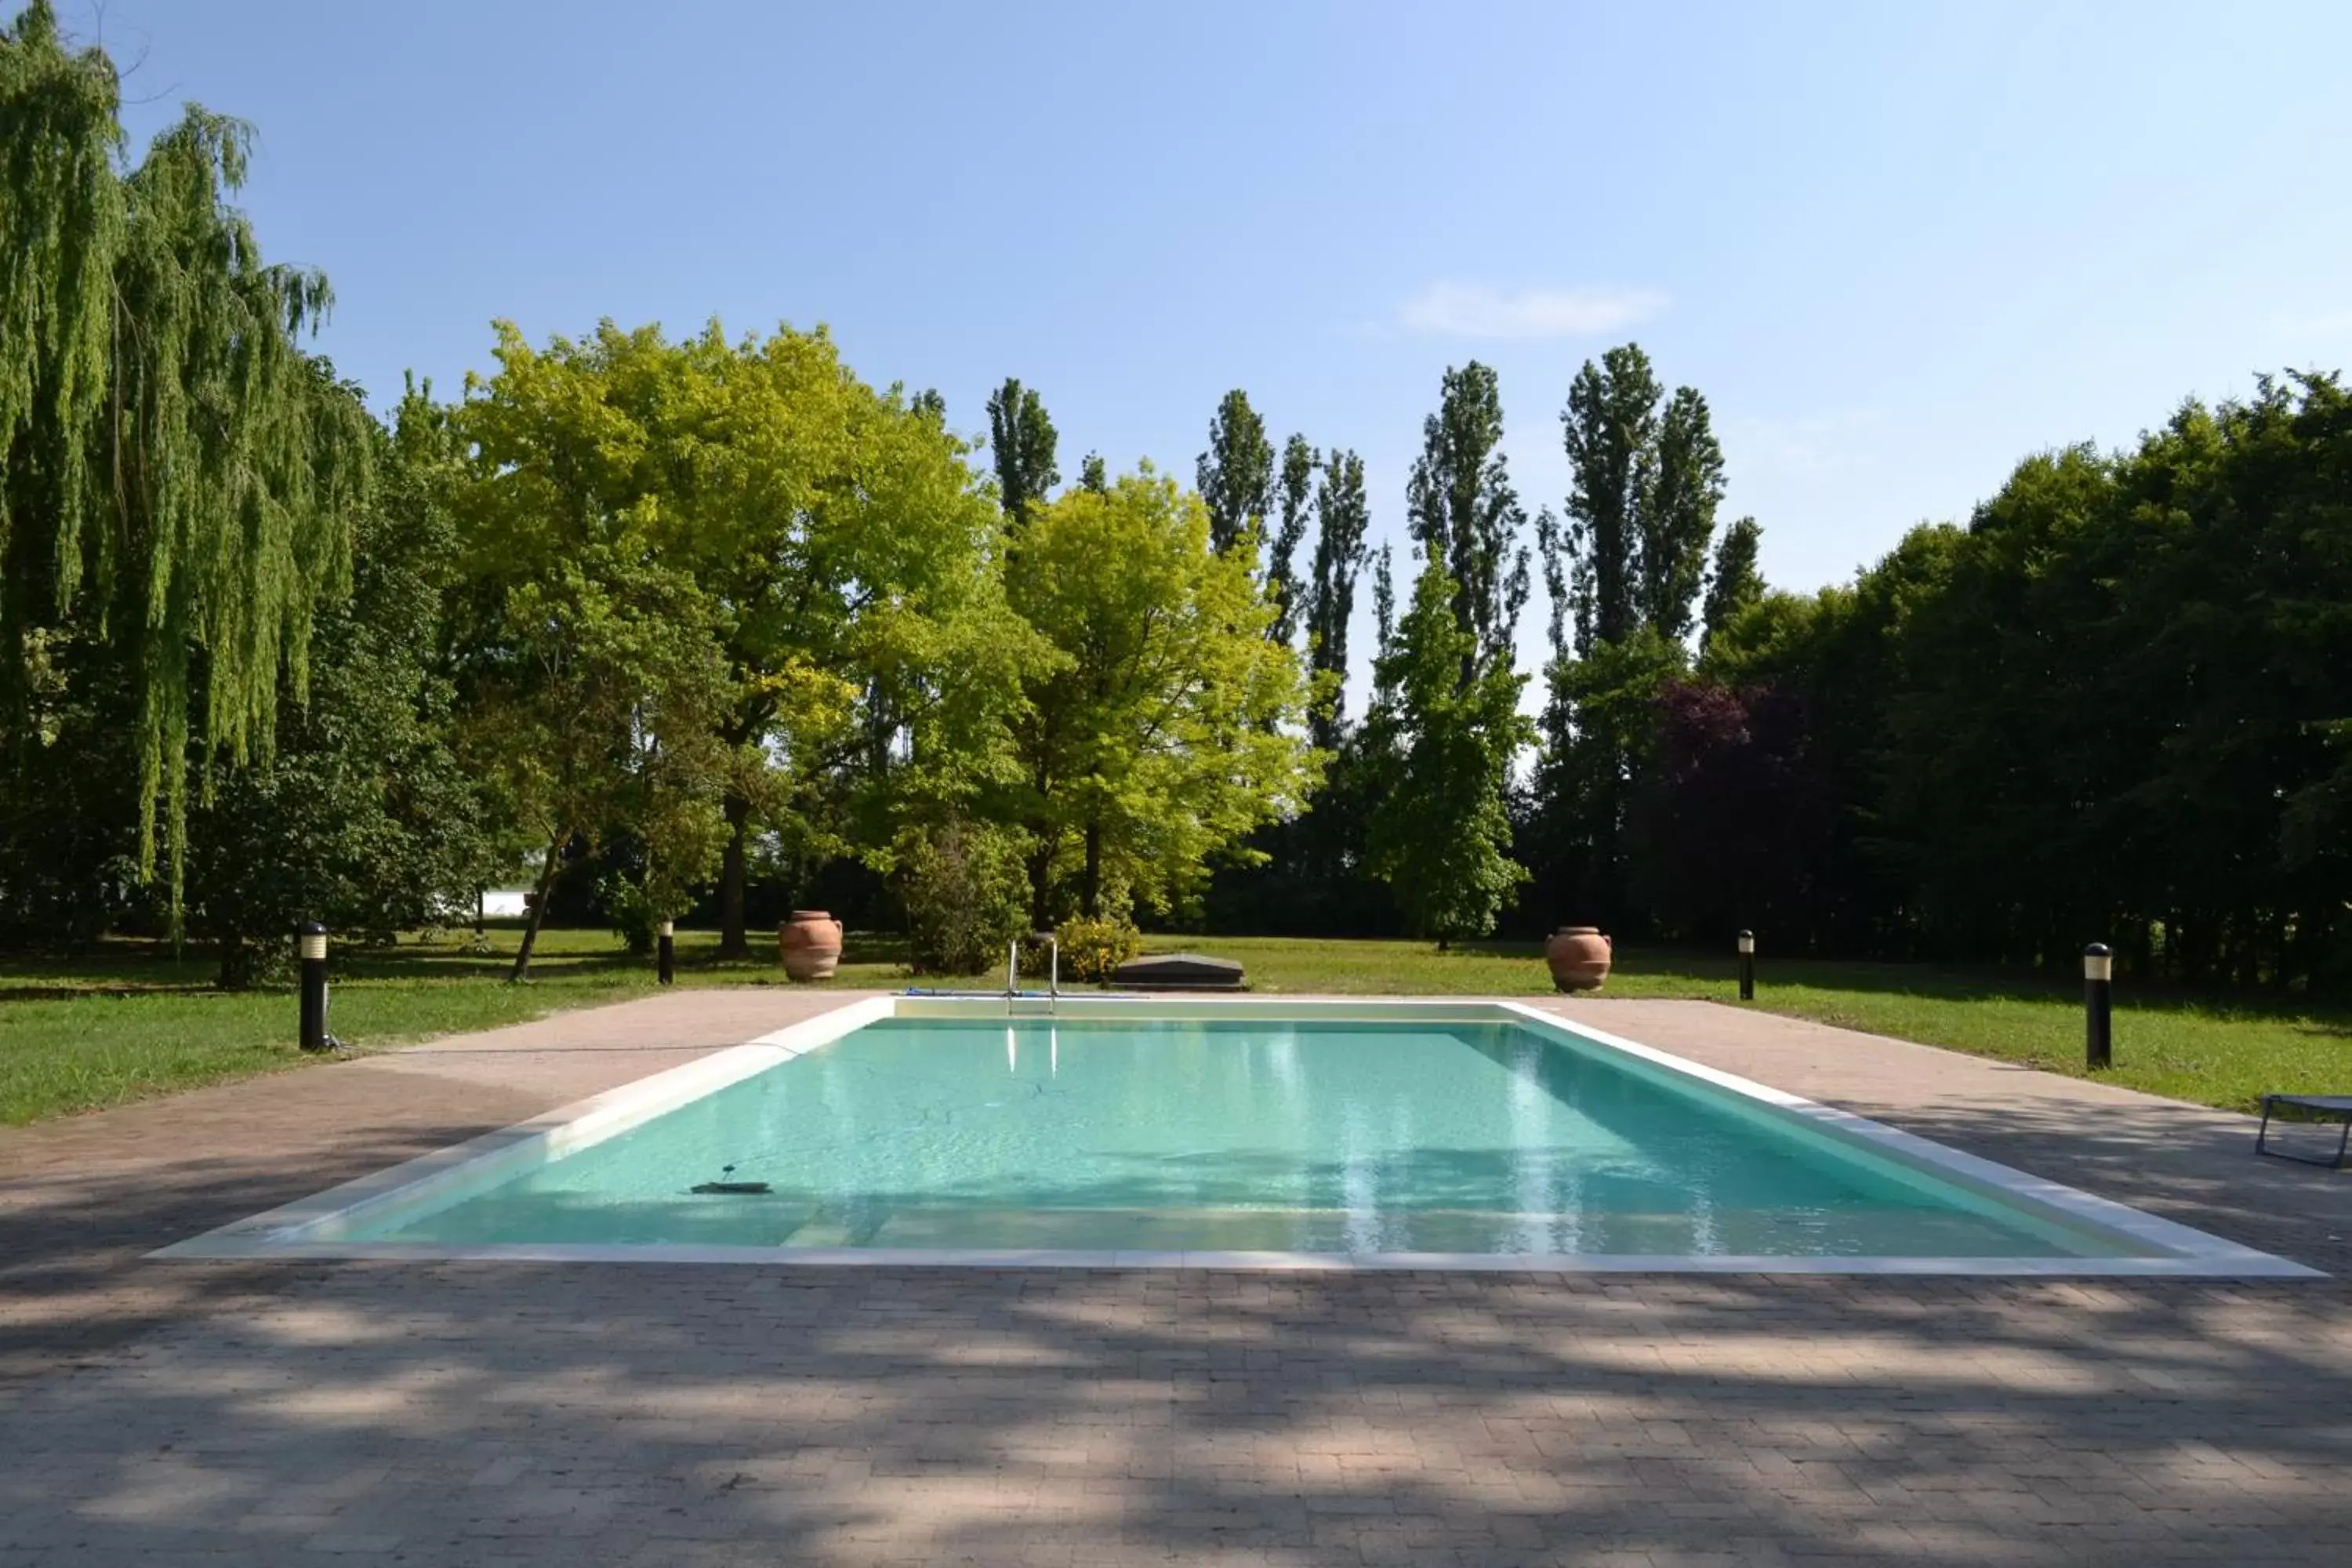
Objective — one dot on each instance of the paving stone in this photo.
(487, 1413)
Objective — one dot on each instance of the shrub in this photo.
(966, 895)
(1093, 950)
(632, 913)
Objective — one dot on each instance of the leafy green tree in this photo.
(1839, 653)
(1342, 519)
(70, 794)
(1295, 499)
(1440, 831)
(363, 817)
(1236, 473)
(1021, 440)
(844, 553)
(966, 893)
(863, 626)
(1314, 881)
(1624, 569)
(1641, 517)
(1466, 516)
(1164, 728)
(1677, 513)
(2257, 634)
(1735, 581)
(1979, 718)
(594, 672)
(1553, 549)
(1094, 474)
(1609, 428)
(1729, 823)
(1599, 721)
(178, 479)
(1975, 749)
(1383, 601)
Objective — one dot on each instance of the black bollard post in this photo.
(667, 951)
(1748, 966)
(314, 986)
(2098, 1006)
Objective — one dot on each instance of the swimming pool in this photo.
(1385, 1135)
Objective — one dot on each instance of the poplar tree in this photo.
(180, 478)
(1677, 513)
(1625, 569)
(1020, 441)
(1295, 498)
(1609, 428)
(1440, 751)
(1342, 518)
(1641, 517)
(1235, 475)
(1733, 583)
(1466, 516)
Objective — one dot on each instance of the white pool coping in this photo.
(308, 1229)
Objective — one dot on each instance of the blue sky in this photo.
(1898, 246)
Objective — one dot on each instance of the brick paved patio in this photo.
(483, 1414)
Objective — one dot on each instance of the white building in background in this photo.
(505, 903)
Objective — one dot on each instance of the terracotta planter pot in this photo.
(809, 944)
(1579, 956)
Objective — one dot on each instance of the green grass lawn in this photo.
(131, 1022)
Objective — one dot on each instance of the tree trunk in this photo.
(537, 910)
(1041, 875)
(1091, 902)
(235, 973)
(734, 939)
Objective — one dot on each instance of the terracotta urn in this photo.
(1579, 956)
(809, 944)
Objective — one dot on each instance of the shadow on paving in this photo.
(72, 1281)
(660, 1415)
(2197, 1167)
(664, 1416)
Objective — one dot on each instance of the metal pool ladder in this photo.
(1017, 1005)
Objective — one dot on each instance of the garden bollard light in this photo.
(314, 986)
(1748, 966)
(2098, 1006)
(667, 951)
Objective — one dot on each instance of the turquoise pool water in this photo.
(1165, 1136)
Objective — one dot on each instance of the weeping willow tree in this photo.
(180, 477)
